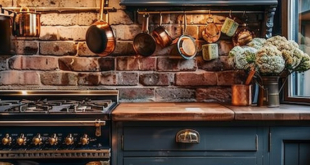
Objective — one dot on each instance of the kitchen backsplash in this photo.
(60, 59)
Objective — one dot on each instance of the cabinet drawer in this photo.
(210, 138)
(189, 161)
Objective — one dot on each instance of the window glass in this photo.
(299, 30)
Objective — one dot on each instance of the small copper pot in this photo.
(161, 35)
(26, 23)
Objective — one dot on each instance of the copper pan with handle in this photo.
(161, 35)
(185, 45)
(100, 37)
(144, 44)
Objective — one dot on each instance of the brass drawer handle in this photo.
(187, 136)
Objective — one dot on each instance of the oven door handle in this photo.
(53, 123)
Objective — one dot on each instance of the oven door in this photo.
(49, 142)
(55, 162)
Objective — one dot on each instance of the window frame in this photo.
(286, 17)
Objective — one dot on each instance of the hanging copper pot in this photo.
(144, 44)
(185, 45)
(244, 35)
(26, 23)
(161, 35)
(100, 36)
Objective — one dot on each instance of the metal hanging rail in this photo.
(62, 9)
(199, 12)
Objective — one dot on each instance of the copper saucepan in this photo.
(143, 43)
(161, 35)
(100, 36)
(185, 45)
(26, 23)
(244, 35)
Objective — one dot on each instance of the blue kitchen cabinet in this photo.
(184, 143)
(290, 145)
(190, 161)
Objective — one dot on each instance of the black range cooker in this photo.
(56, 127)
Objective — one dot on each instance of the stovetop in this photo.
(42, 102)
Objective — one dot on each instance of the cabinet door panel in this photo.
(290, 146)
(190, 161)
(290, 154)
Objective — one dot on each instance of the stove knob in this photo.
(69, 140)
(6, 140)
(53, 140)
(84, 139)
(37, 140)
(21, 140)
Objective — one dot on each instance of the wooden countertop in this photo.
(206, 112)
(284, 112)
(171, 112)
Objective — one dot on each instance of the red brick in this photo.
(127, 78)
(88, 79)
(3, 60)
(106, 64)
(120, 17)
(79, 64)
(213, 65)
(19, 78)
(33, 63)
(136, 94)
(226, 78)
(166, 64)
(126, 32)
(58, 48)
(109, 78)
(156, 79)
(174, 95)
(136, 63)
(127, 63)
(124, 48)
(25, 47)
(84, 51)
(147, 64)
(214, 94)
(195, 78)
(59, 78)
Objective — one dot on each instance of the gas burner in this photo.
(11, 106)
(59, 102)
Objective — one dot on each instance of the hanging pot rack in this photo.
(200, 12)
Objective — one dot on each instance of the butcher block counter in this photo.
(206, 112)
(171, 112)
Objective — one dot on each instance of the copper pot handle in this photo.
(22, 9)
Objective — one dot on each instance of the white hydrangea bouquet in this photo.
(270, 57)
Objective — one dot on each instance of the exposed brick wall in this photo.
(60, 59)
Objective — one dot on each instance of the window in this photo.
(296, 26)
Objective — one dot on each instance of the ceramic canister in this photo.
(229, 27)
(210, 51)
